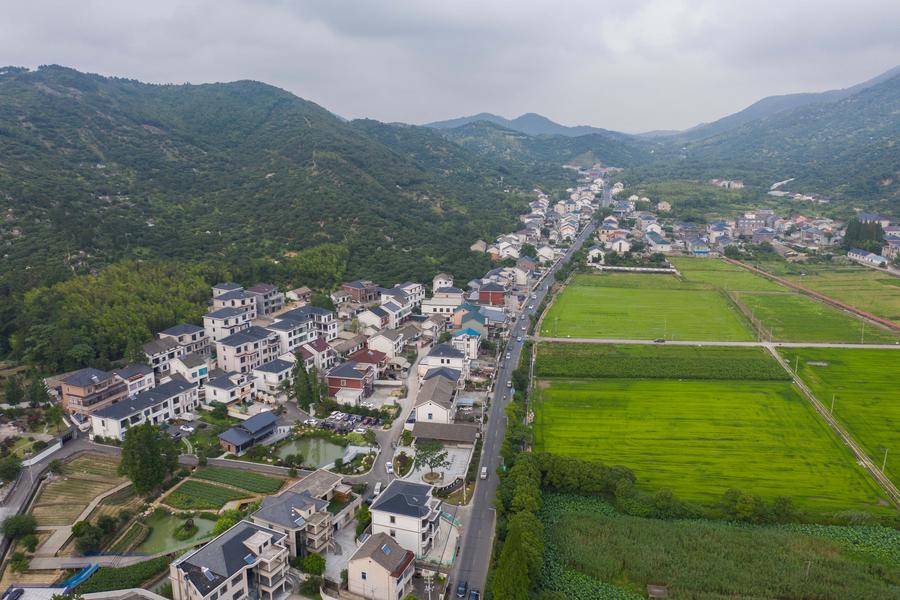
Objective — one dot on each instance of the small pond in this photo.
(315, 451)
(163, 526)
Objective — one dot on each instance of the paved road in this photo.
(478, 534)
(572, 340)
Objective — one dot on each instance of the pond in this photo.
(315, 451)
(161, 535)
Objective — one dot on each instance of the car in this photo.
(474, 595)
(531, 307)
(389, 467)
(484, 472)
(461, 589)
(533, 296)
(187, 429)
(659, 341)
(509, 384)
(377, 490)
(310, 421)
(519, 339)
(15, 594)
(334, 413)
(360, 430)
(508, 356)
(524, 326)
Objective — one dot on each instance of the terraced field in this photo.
(63, 499)
(700, 438)
(867, 397)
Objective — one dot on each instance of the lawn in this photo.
(658, 361)
(643, 307)
(867, 397)
(797, 318)
(700, 438)
(723, 275)
(246, 480)
(199, 495)
(595, 553)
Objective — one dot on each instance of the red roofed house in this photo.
(492, 294)
(350, 382)
(370, 358)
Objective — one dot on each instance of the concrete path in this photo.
(571, 340)
(62, 533)
(78, 562)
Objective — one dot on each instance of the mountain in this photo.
(529, 123)
(95, 170)
(772, 105)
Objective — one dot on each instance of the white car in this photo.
(360, 430)
(524, 327)
(187, 429)
(389, 467)
(519, 339)
(508, 356)
(310, 421)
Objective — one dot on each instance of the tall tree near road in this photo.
(148, 457)
(431, 454)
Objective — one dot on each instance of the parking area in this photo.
(459, 462)
(342, 422)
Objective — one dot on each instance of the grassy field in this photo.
(723, 275)
(246, 480)
(866, 289)
(63, 499)
(700, 438)
(798, 318)
(655, 362)
(867, 396)
(199, 495)
(595, 553)
(643, 307)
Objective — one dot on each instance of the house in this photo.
(381, 569)
(527, 263)
(300, 294)
(657, 243)
(595, 255)
(302, 512)
(696, 245)
(268, 299)
(160, 353)
(320, 322)
(138, 378)
(322, 355)
(619, 244)
(245, 350)
(166, 401)
(239, 299)
(88, 390)
(763, 234)
(396, 313)
(443, 301)
(193, 367)
(374, 317)
(192, 338)
(339, 297)
(444, 355)
(891, 248)
(479, 246)
(229, 388)
(467, 341)
(441, 280)
(224, 288)
(866, 217)
(246, 434)
(221, 323)
(348, 345)
(867, 257)
(362, 291)
(493, 294)
(390, 342)
(434, 326)
(415, 292)
(368, 358)
(408, 513)
(247, 561)
(291, 333)
(348, 383)
(274, 380)
(435, 402)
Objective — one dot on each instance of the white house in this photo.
(389, 341)
(619, 245)
(230, 388)
(193, 367)
(247, 349)
(221, 323)
(467, 341)
(381, 569)
(138, 377)
(374, 317)
(272, 378)
(156, 406)
(441, 280)
(435, 402)
(408, 513)
(444, 355)
(443, 302)
(545, 254)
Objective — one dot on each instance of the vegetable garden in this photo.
(192, 495)
(246, 480)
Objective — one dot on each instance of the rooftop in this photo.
(275, 366)
(182, 329)
(86, 377)
(164, 391)
(404, 498)
(247, 336)
(386, 552)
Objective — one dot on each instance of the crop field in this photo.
(63, 499)
(867, 397)
(655, 362)
(595, 553)
(798, 318)
(199, 495)
(643, 307)
(700, 438)
(246, 480)
(723, 275)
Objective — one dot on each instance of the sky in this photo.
(629, 65)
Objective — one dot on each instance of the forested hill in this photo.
(94, 170)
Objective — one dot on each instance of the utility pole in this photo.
(832, 404)
(884, 462)
(862, 333)
(796, 363)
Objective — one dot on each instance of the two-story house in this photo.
(245, 350)
(219, 324)
(192, 338)
(388, 341)
(408, 513)
(381, 569)
(193, 367)
(230, 388)
(441, 280)
(374, 317)
(166, 401)
(435, 402)
(444, 355)
(322, 356)
(248, 433)
(138, 378)
(274, 379)
(367, 358)
(268, 299)
(444, 301)
(160, 353)
(362, 291)
(348, 383)
(247, 561)
(88, 390)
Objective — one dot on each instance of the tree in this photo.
(313, 564)
(225, 522)
(13, 392)
(37, 392)
(148, 457)
(315, 387)
(219, 411)
(18, 562)
(528, 250)
(10, 467)
(88, 536)
(18, 526)
(53, 417)
(302, 388)
(431, 454)
(511, 578)
(363, 519)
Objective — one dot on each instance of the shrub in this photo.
(18, 525)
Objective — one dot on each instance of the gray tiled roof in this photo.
(275, 366)
(282, 509)
(146, 399)
(386, 552)
(160, 346)
(85, 377)
(225, 313)
(445, 351)
(182, 329)
(404, 498)
(249, 335)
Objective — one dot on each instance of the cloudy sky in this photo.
(632, 65)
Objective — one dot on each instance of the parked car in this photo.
(360, 430)
(519, 339)
(461, 589)
(15, 594)
(508, 356)
(474, 595)
(377, 490)
(484, 472)
(389, 467)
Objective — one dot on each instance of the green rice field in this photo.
(246, 480)
(643, 307)
(798, 318)
(722, 275)
(866, 395)
(193, 494)
(700, 438)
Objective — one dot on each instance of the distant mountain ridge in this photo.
(529, 123)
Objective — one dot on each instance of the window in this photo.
(236, 581)
(362, 575)
(393, 519)
(392, 533)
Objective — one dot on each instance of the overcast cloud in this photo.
(632, 65)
